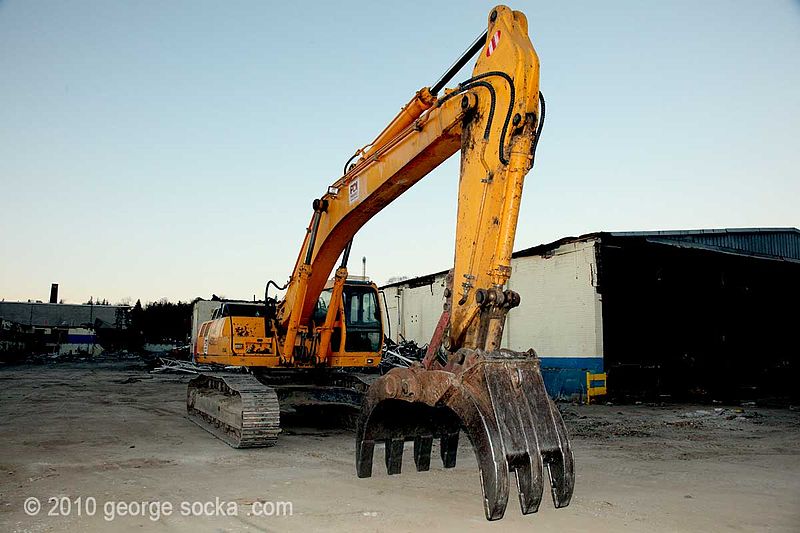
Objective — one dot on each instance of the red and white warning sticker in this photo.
(493, 42)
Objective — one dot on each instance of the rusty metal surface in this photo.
(436, 340)
(499, 400)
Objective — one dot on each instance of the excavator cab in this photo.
(358, 330)
(362, 318)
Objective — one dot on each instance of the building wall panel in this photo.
(560, 314)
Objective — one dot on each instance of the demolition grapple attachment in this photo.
(499, 400)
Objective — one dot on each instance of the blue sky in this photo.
(172, 149)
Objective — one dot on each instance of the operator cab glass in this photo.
(245, 310)
(321, 310)
(362, 318)
(238, 310)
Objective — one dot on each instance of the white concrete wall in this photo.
(419, 310)
(560, 314)
(201, 312)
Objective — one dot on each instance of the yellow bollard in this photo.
(592, 389)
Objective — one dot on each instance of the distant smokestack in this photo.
(54, 293)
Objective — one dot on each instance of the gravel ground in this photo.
(118, 438)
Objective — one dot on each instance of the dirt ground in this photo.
(118, 438)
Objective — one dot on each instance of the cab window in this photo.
(362, 318)
(321, 310)
(361, 308)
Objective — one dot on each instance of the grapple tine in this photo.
(394, 455)
(448, 448)
(499, 399)
(551, 434)
(422, 452)
(364, 452)
(529, 475)
(505, 386)
(482, 429)
(529, 486)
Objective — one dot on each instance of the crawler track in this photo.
(237, 409)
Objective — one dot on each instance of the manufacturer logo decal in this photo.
(355, 191)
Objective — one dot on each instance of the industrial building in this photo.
(51, 327)
(695, 313)
(39, 314)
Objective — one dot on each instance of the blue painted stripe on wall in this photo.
(592, 364)
(80, 339)
(565, 377)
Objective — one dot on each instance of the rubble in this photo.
(179, 366)
(400, 354)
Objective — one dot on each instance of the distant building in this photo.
(709, 312)
(58, 328)
(65, 315)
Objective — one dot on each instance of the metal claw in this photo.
(394, 455)
(422, 452)
(448, 447)
(499, 400)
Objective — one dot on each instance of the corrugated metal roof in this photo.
(772, 243)
(777, 243)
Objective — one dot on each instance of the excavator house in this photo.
(321, 342)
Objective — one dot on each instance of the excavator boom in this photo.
(494, 395)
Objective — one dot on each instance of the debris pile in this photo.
(401, 354)
(77, 357)
(179, 366)
(728, 414)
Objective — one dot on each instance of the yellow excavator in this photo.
(321, 343)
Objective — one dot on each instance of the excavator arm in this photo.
(391, 167)
(495, 395)
(492, 119)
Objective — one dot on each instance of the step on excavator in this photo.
(320, 344)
